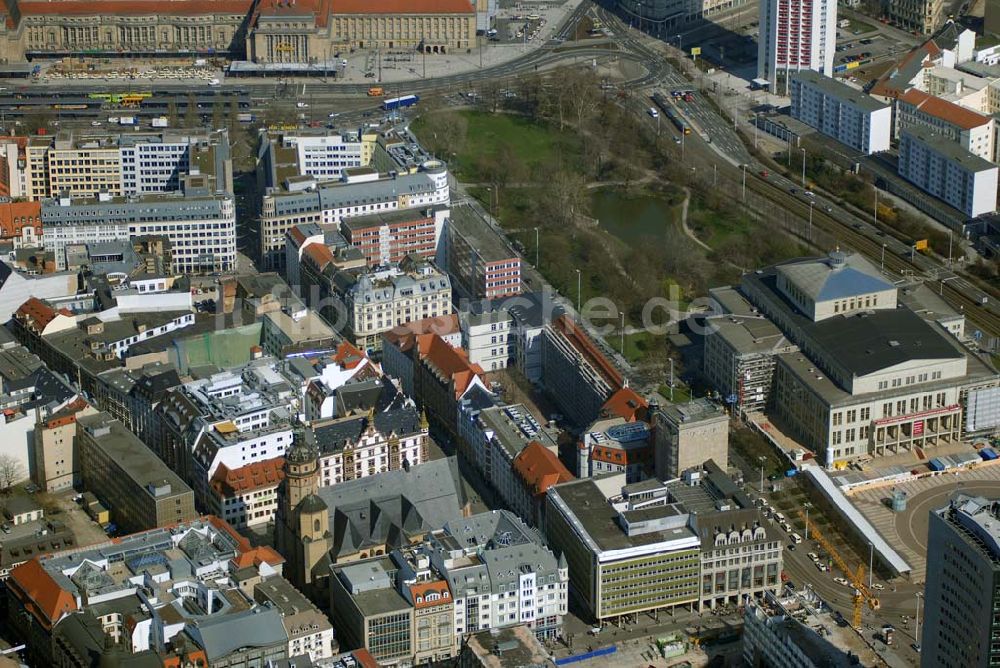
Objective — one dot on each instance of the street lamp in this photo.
(916, 633)
(744, 182)
(871, 562)
(882, 262)
(807, 506)
(761, 460)
(579, 295)
(680, 43)
(537, 248)
(623, 333)
(810, 233)
(803, 167)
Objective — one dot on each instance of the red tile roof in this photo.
(622, 457)
(540, 468)
(296, 234)
(365, 659)
(40, 594)
(581, 341)
(259, 475)
(320, 254)
(441, 325)
(318, 9)
(421, 589)
(402, 7)
(133, 7)
(15, 216)
(625, 403)
(38, 312)
(451, 362)
(348, 356)
(257, 556)
(947, 111)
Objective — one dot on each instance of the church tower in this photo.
(302, 521)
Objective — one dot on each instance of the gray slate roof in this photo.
(865, 343)
(392, 506)
(223, 634)
(836, 277)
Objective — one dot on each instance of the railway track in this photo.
(985, 320)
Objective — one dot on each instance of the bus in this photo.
(400, 102)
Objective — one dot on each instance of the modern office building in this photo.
(841, 111)
(480, 262)
(200, 224)
(361, 191)
(967, 128)
(128, 478)
(660, 545)
(963, 553)
(385, 238)
(947, 171)
(489, 337)
(79, 164)
(319, 153)
(795, 36)
(687, 435)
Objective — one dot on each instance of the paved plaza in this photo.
(907, 531)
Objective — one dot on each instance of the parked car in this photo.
(842, 581)
(813, 556)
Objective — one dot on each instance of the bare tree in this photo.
(11, 472)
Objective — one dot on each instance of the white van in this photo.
(653, 112)
(795, 538)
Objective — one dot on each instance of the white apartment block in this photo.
(201, 228)
(304, 200)
(947, 171)
(842, 112)
(489, 338)
(795, 35)
(972, 131)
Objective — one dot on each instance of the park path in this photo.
(684, 221)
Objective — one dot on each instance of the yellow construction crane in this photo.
(862, 594)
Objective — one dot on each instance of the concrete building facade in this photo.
(795, 36)
(960, 628)
(947, 171)
(128, 478)
(841, 111)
